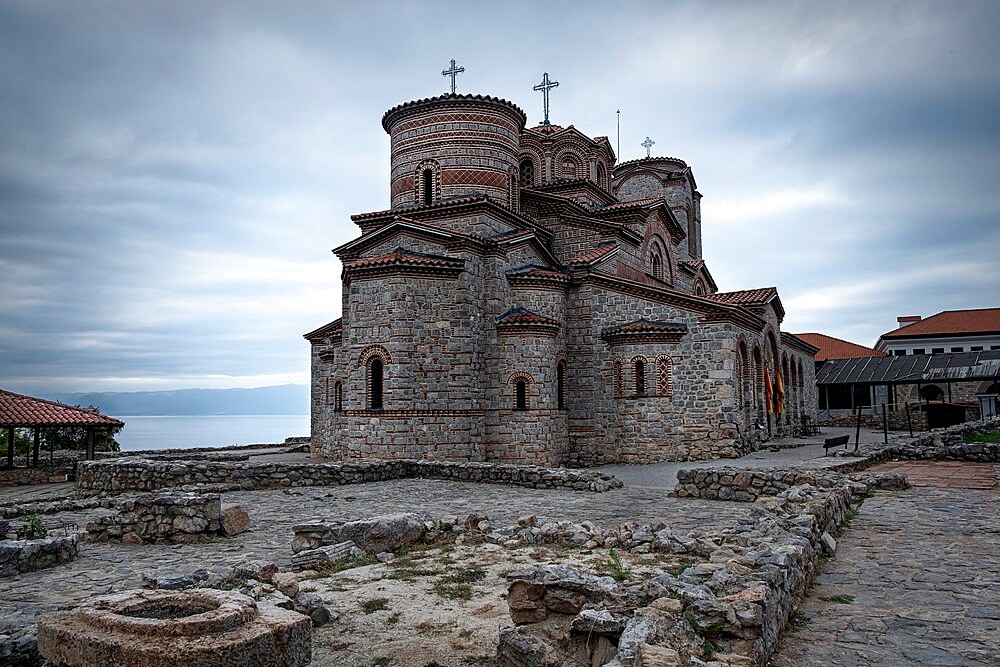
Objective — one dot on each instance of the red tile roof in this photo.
(836, 348)
(693, 263)
(635, 203)
(335, 327)
(546, 129)
(411, 208)
(952, 322)
(19, 410)
(675, 160)
(443, 100)
(594, 254)
(538, 272)
(400, 256)
(518, 316)
(746, 297)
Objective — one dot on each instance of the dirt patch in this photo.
(444, 605)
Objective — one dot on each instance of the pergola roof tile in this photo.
(26, 411)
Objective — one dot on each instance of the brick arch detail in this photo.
(520, 375)
(581, 164)
(418, 180)
(374, 352)
(631, 366)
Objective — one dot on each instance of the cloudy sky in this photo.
(173, 175)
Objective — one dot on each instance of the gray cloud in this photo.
(173, 175)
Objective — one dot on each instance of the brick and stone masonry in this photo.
(526, 301)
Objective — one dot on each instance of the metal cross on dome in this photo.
(648, 143)
(545, 86)
(453, 72)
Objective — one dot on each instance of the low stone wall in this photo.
(169, 517)
(130, 474)
(18, 556)
(53, 507)
(43, 474)
(746, 485)
(946, 444)
(732, 604)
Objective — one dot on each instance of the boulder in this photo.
(388, 532)
(261, 570)
(286, 582)
(235, 520)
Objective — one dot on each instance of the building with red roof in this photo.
(837, 348)
(973, 330)
(527, 299)
(19, 411)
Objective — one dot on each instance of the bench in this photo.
(835, 442)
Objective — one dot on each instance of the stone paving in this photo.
(104, 568)
(920, 570)
(798, 452)
(945, 474)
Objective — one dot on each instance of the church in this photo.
(525, 298)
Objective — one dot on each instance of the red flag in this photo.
(779, 394)
(767, 391)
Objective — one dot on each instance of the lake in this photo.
(182, 431)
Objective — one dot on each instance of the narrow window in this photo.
(428, 177)
(338, 397)
(640, 377)
(657, 266)
(521, 391)
(527, 169)
(561, 385)
(375, 385)
(618, 378)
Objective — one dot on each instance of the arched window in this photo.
(656, 263)
(618, 377)
(561, 385)
(527, 169)
(521, 395)
(699, 287)
(428, 183)
(602, 175)
(569, 169)
(640, 377)
(375, 384)
(338, 397)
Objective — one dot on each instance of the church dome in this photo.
(453, 145)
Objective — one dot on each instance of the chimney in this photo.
(906, 320)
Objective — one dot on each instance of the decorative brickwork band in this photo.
(664, 384)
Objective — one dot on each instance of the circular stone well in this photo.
(199, 627)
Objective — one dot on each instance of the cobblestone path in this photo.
(923, 567)
(103, 568)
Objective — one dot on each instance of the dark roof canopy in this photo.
(912, 368)
(26, 411)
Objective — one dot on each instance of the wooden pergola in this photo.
(19, 411)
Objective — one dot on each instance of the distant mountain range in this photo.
(286, 399)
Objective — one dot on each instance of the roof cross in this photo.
(647, 144)
(453, 72)
(545, 86)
